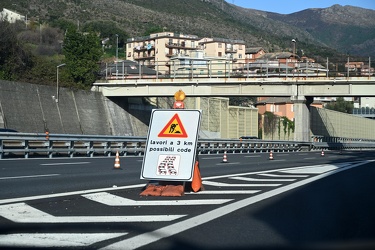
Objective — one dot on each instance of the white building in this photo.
(11, 16)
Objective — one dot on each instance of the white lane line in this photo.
(114, 200)
(309, 158)
(251, 156)
(254, 179)
(23, 213)
(27, 176)
(47, 196)
(227, 163)
(55, 240)
(64, 163)
(284, 175)
(221, 184)
(319, 169)
(226, 192)
(158, 234)
(211, 158)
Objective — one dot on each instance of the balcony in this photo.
(145, 47)
(181, 45)
(143, 56)
(230, 50)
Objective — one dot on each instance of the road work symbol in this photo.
(174, 128)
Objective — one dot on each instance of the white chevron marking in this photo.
(114, 200)
(23, 213)
(54, 240)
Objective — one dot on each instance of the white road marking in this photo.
(227, 192)
(47, 196)
(312, 170)
(227, 163)
(55, 240)
(251, 156)
(114, 200)
(254, 179)
(64, 163)
(221, 184)
(284, 175)
(27, 176)
(23, 213)
(210, 158)
(158, 234)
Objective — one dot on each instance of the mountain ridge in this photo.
(345, 30)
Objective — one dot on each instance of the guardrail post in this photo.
(26, 148)
(1, 148)
(71, 149)
(90, 151)
(50, 149)
(108, 149)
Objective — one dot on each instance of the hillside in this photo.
(347, 29)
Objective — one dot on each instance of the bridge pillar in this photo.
(301, 107)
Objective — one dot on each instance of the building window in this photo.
(129, 54)
(219, 54)
(220, 45)
(240, 47)
(239, 56)
(129, 45)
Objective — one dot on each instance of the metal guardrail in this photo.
(64, 145)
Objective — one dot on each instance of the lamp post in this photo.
(57, 81)
(116, 54)
(294, 47)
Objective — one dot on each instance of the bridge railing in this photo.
(180, 67)
(66, 145)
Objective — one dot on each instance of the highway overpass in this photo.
(226, 87)
(300, 89)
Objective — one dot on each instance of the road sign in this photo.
(171, 145)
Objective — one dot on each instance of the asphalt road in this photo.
(296, 201)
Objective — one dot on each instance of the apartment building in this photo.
(199, 65)
(156, 49)
(233, 50)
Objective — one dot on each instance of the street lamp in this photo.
(57, 81)
(116, 47)
(116, 54)
(294, 47)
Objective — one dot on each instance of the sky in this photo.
(291, 6)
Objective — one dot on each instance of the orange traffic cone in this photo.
(271, 155)
(196, 183)
(117, 161)
(225, 157)
(322, 154)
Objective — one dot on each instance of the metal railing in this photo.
(65, 145)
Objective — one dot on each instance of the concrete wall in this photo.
(336, 124)
(33, 109)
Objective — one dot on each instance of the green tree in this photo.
(341, 106)
(82, 54)
(14, 56)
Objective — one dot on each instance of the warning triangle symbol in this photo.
(174, 128)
